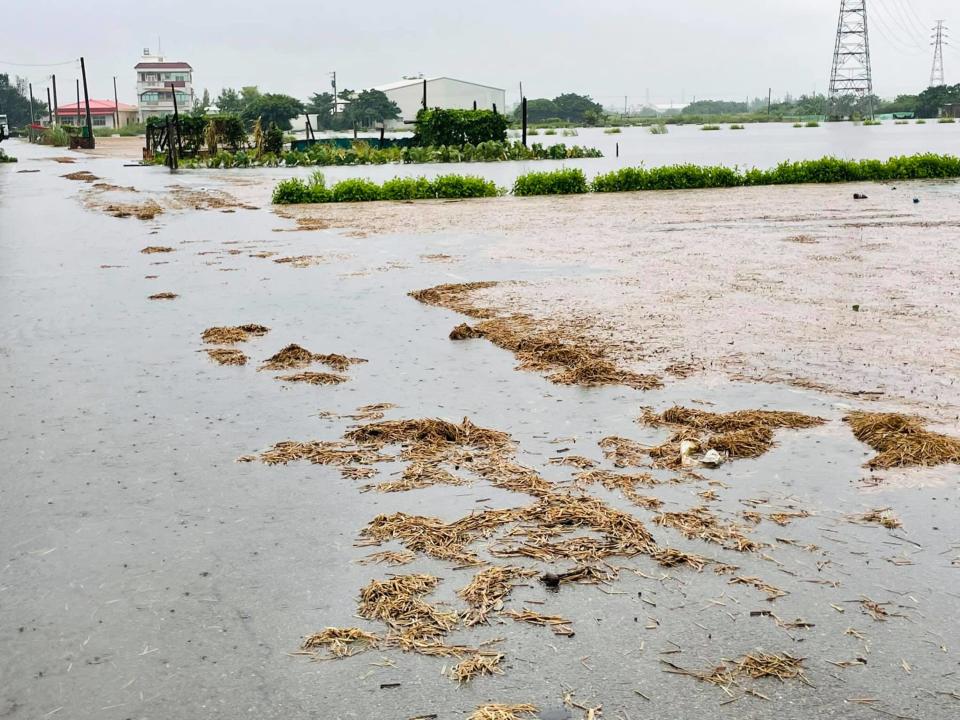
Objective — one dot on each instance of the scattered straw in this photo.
(340, 642)
(234, 334)
(454, 296)
(465, 332)
(314, 378)
(772, 592)
(557, 624)
(486, 591)
(398, 603)
(420, 475)
(503, 712)
(479, 664)
(388, 557)
(902, 441)
(701, 523)
(878, 516)
(753, 666)
(82, 176)
(227, 356)
(153, 249)
(163, 296)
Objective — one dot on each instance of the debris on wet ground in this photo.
(163, 296)
(557, 624)
(388, 557)
(487, 590)
(877, 516)
(567, 360)
(153, 249)
(82, 176)
(374, 411)
(438, 258)
(504, 712)
(300, 261)
(314, 378)
(740, 434)
(340, 642)
(731, 673)
(477, 665)
(419, 475)
(227, 356)
(147, 210)
(228, 335)
(294, 357)
(454, 296)
(902, 441)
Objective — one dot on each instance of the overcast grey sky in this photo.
(606, 48)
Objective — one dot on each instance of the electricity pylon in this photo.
(939, 37)
(851, 74)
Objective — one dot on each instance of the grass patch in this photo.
(549, 131)
(658, 129)
(946, 121)
(737, 127)
(612, 131)
(921, 121)
(570, 181)
(812, 124)
(871, 123)
(710, 127)
(4, 158)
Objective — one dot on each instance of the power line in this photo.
(14, 64)
(890, 34)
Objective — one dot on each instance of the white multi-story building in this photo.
(155, 76)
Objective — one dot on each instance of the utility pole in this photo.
(49, 108)
(851, 73)
(56, 107)
(32, 119)
(78, 103)
(769, 100)
(116, 105)
(86, 102)
(333, 82)
(939, 38)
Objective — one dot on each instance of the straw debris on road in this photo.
(227, 356)
(340, 642)
(902, 441)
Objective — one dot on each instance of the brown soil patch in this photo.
(902, 440)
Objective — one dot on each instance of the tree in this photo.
(321, 105)
(16, 106)
(205, 100)
(538, 110)
(574, 108)
(931, 100)
(371, 106)
(229, 101)
(271, 108)
(715, 107)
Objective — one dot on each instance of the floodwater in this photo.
(146, 574)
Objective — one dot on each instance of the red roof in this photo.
(162, 66)
(97, 107)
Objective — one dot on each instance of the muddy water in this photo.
(146, 574)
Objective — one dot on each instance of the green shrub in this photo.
(870, 123)
(355, 190)
(273, 140)
(710, 127)
(463, 186)
(798, 125)
(4, 158)
(658, 129)
(901, 122)
(811, 124)
(292, 191)
(612, 131)
(549, 131)
(736, 127)
(532, 132)
(569, 181)
(921, 121)
(56, 136)
(458, 127)
(946, 120)
(569, 132)
(406, 189)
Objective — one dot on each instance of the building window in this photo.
(99, 120)
(150, 97)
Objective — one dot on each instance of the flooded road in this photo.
(147, 574)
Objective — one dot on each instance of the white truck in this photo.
(4, 129)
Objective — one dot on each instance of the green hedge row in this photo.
(297, 191)
(825, 170)
(570, 181)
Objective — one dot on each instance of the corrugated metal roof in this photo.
(97, 107)
(419, 81)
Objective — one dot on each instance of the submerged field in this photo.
(464, 448)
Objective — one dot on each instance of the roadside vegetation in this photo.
(569, 181)
(4, 158)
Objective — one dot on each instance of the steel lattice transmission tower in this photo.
(851, 73)
(939, 38)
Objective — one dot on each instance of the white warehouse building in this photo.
(442, 92)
